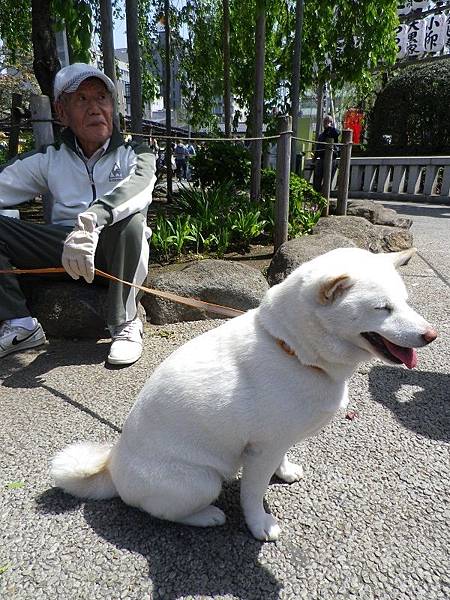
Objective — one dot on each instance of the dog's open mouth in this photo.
(394, 353)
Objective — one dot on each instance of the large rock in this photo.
(217, 281)
(69, 309)
(376, 238)
(292, 254)
(374, 212)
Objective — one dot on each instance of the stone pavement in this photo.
(369, 520)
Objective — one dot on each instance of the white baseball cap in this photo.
(69, 78)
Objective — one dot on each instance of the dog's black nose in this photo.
(430, 335)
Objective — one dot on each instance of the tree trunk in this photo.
(107, 42)
(168, 96)
(295, 91)
(319, 111)
(134, 65)
(260, 40)
(107, 38)
(226, 68)
(46, 63)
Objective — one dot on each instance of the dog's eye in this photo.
(386, 307)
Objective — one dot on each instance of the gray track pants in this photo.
(122, 251)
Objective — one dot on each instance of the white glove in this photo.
(79, 248)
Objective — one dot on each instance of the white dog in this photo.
(242, 394)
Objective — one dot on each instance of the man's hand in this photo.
(79, 248)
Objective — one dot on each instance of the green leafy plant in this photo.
(207, 205)
(181, 233)
(162, 238)
(218, 219)
(247, 224)
(305, 204)
(220, 163)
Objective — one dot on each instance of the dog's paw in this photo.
(265, 528)
(289, 472)
(208, 517)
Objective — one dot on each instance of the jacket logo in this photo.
(116, 173)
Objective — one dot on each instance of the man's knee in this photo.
(130, 228)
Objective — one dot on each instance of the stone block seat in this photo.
(66, 308)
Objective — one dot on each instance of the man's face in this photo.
(89, 114)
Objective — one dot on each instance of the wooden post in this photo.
(16, 115)
(344, 171)
(283, 175)
(327, 172)
(41, 118)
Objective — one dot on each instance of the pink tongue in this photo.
(408, 356)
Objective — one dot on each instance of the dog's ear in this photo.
(401, 258)
(333, 288)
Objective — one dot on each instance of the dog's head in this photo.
(352, 305)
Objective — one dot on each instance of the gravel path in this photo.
(369, 520)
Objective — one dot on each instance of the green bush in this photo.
(410, 115)
(305, 204)
(221, 162)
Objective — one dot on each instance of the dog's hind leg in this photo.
(186, 498)
(289, 471)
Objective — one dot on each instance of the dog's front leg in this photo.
(259, 464)
(289, 471)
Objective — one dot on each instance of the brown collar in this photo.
(286, 348)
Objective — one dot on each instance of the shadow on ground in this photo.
(15, 373)
(419, 399)
(182, 561)
(423, 211)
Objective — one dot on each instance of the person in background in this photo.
(153, 143)
(100, 188)
(191, 152)
(329, 132)
(181, 156)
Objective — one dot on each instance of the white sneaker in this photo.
(14, 338)
(127, 343)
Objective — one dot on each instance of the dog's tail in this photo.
(82, 470)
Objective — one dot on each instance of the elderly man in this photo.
(100, 188)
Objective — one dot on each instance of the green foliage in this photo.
(15, 25)
(343, 40)
(77, 16)
(412, 112)
(148, 41)
(305, 204)
(247, 224)
(221, 162)
(219, 219)
(19, 79)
